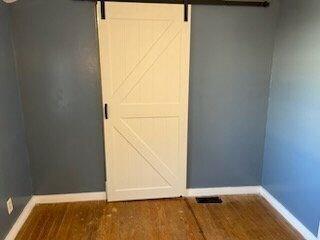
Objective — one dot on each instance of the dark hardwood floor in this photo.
(237, 218)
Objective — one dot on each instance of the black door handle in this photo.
(106, 111)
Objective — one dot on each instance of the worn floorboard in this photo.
(237, 218)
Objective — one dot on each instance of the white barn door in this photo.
(144, 54)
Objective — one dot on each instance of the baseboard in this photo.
(70, 197)
(197, 192)
(21, 219)
(287, 215)
(55, 198)
(193, 192)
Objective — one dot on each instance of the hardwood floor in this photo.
(237, 218)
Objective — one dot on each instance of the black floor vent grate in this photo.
(208, 200)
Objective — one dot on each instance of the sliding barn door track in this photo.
(186, 3)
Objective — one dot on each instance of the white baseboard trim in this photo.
(287, 215)
(55, 198)
(198, 192)
(21, 219)
(70, 197)
(193, 192)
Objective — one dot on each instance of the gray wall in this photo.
(291, 169)
(15, 180)
(57, 52)
(231, 57)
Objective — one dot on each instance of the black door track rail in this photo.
(186, 3)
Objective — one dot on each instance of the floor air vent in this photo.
(208, 200)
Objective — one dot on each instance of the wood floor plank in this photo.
(47, 223)
(237, 218)
(59, 211)
(29, 223)
(37, 225)
(242, 218)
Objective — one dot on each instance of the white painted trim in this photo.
(21, 219)
(55, 198)
(287, 215)
(197, 192)
(9, 1)
(193, 192)
(70, 197)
